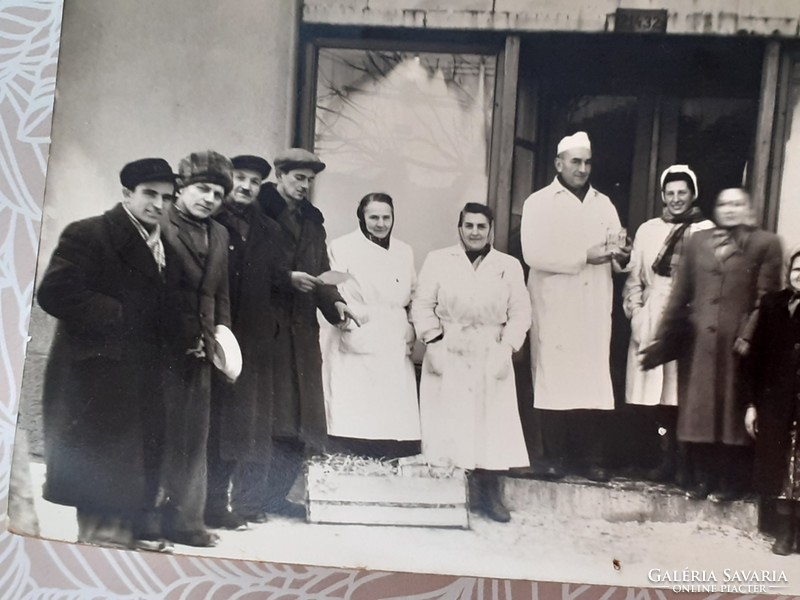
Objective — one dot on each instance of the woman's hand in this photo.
(500, 360)
(435, 356)
(751, 421)
(741, 347)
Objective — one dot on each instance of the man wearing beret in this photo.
(197, 305)
(299, 409)
(102, 398)
(564, 234)
(241, 413)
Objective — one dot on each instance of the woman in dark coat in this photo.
(773, 417)
(707, 326)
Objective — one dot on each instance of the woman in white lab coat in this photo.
(657, 250)
(369, 382)
(472, 311)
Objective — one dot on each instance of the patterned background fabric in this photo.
(32, 568)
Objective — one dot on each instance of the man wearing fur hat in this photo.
(102, 398)
(241, 412)
(564, 234)
(198, 304)
(299, 408)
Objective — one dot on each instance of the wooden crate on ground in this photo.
(412, 495)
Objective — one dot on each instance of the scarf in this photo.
(382, 242)
(151, 238)
(474, 255)
(668, 257)
(727, 241)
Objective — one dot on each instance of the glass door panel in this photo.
(414, 125)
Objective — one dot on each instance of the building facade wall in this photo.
(704, 17)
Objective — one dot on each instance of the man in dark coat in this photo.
(102, 398)
(241, 413)
(197, 305)
(299, 406)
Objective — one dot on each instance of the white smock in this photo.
(368, 377)
(468, 397)
(571, 300)
(644, 298)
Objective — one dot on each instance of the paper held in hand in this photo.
(334, 277)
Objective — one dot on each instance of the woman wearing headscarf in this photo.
(472, 310)
(708, 325)
(369, 382)
(773, 416)
(657, 250)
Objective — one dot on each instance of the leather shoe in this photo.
(552, 473)
(724, 496)
(225, 520)
(254, 516)
(784, 543)
(598, 474)
(290, 510)
(698, 492)
(197, 537)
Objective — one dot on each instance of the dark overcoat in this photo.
(255, 265)
(774, 368)
(196, 302)
(197, 295)
(713, 302)
(102, 383)
(299, 410)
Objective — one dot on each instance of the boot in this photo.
(682, 468)
(475, 492)
(493, 506)
(665, 471)
(784, 540)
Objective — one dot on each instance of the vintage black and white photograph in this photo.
(502, 288)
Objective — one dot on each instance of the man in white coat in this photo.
(565, 241)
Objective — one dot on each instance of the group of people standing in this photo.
(160, 424)
(712, 352)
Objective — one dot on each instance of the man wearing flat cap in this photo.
(564, 233)
(102, 397)
(241, 413)
(299, 410)
(198, 305)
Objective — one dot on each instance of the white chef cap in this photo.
(576, 140)
(684, 169)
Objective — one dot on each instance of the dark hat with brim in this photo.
(146, 170)
(252, 163)
(298, 158)
(206, 167)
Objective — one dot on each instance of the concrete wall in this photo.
(155, 78)
(726, 17)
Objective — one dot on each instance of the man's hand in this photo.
(741, 347)
(751, 421)
(598, 254)
(345, 315)
(622, 255)
(303, 282)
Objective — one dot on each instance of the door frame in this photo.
(501, 142)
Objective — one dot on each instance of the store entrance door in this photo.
(646, 103)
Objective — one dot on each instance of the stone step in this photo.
(625, 500)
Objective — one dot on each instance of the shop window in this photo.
(414, 125)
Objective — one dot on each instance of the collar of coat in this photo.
(273, 205)
(559, 187)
